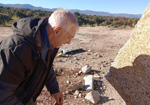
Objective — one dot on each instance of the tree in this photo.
(20, 15)
(4, 18)
(107, 22)
(97, 20)
(77, 14)
(91, 23)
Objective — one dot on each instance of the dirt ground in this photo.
(100, 47)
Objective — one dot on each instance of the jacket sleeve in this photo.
(51, 83)
(12, 73)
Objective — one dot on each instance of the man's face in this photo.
(65, 38)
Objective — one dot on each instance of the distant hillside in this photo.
(87, 12)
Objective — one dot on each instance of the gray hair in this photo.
(64, 19)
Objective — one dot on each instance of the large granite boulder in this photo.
(130, 72)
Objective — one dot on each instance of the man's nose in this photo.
(69, 42)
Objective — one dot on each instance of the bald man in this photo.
(26, 57)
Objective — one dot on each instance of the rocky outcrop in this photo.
(130, 72)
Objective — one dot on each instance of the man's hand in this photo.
(58, 97)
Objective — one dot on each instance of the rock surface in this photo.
(130, 72)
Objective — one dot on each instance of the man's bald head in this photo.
(64, 19)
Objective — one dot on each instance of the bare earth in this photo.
(100, 45)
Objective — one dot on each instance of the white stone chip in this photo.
(88, 82)
(86, 69)
(93, 96)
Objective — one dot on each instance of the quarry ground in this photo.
(100, 46)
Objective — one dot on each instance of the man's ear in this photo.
(58, 30)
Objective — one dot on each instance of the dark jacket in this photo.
(23, 73)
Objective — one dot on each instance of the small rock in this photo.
(75, 97)
(76, 86)
(68, 82)
(60, 60)
(77, 74)
(76, 58)
(103, 74)
(104, 87)
(86, 69)
(88, 82)
(60, 55)
(96, 75)
(89, 51)
(92, 58)
(80, 95)
(93, 96)
(74, 76)
(63, 93)
(96, 54)
(68, 92)
(101, 88)
(76, 92)
(80, 72)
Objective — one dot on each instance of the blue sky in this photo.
(112, 6)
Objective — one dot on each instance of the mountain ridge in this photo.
(87, 12)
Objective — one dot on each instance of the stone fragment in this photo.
(96, 54)
(88, 82)
(89, 51)
(75, 76)
(80, 95)
(130, 72)
(60, 60)
(79, 72)
(60, 55)
(76, 86)
(93, 97)
(68, 92)
(76, 92)
(76, 58)
(104, 87)
(75, 97)
(96, 75)
(86, 69)
(69, 50)
(68, 82)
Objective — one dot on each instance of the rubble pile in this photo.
(90, 84)
(90, 87)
